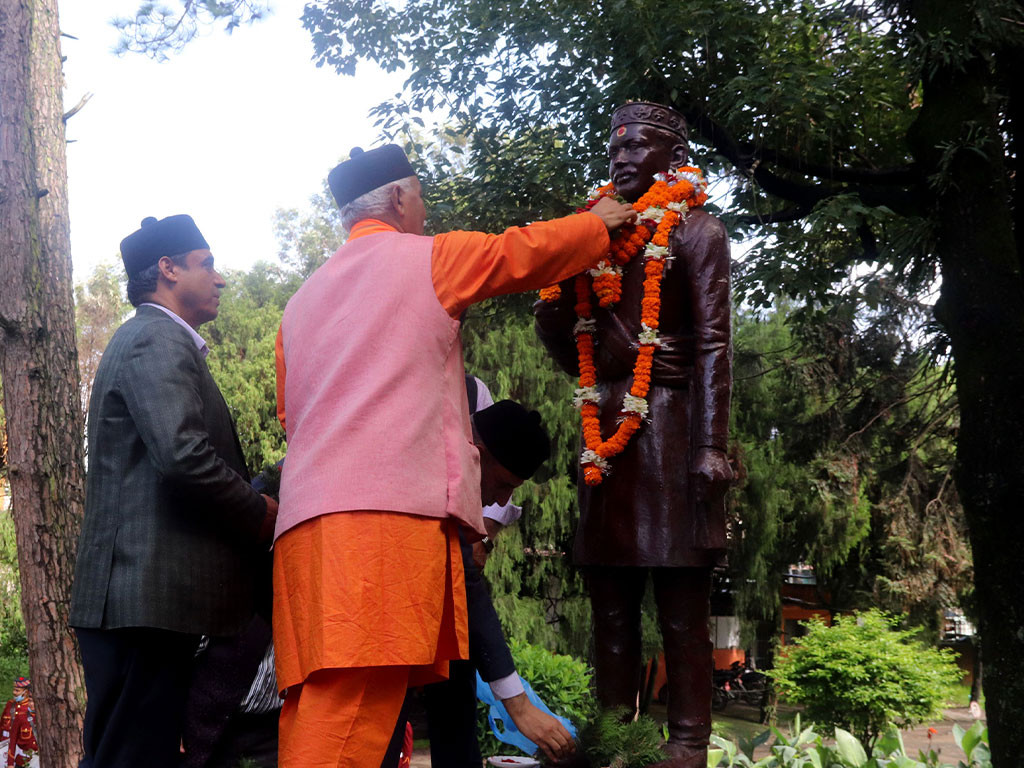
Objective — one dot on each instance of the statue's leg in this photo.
(615, 598)
(683, 596)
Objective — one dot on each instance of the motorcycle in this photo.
(739, 684)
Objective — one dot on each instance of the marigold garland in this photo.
(660, 209)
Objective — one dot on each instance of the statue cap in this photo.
(649, 113)
(365, 171)
(154, 239)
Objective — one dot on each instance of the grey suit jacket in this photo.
(169, 538)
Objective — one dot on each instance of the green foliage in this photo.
(863, 673)
(561, 682)
(844, 443)
(608, 740)
(307, 238)
(13, 641)
(806, 748)
(241, 357)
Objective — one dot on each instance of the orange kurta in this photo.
(366, 589)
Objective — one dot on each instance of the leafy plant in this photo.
(607, 740)
(863, 673)
(806, 748)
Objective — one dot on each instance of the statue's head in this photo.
(646, 139)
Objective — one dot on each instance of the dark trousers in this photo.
(451, 721)
(451, 718)
(683, 598)
(136, 680)
(248, 737)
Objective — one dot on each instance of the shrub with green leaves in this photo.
(13, 641)
(610, 740)
(864, 672)
(562, 682)
(805, 748)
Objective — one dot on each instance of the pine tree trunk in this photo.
(959, 144)
(38, 363)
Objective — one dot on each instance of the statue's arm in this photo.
(706, 249)
(554, 322)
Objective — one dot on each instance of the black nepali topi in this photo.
(514, 436)
(365, 171)
(155, 239)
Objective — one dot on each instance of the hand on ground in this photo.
(540, 728)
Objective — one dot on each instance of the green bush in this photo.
(863, 673)
(13, 641)
(607, 740)
(562, 682)
(807, 749)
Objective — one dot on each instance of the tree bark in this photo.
(38, 363)
(957, 139)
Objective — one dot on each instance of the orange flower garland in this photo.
(663, 205)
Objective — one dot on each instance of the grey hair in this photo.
(143, 283)
(374, 204)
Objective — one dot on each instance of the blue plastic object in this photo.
(497, 713)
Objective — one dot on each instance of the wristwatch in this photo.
(488, 544)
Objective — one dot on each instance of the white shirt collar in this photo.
(200, 342)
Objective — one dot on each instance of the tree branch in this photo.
(77, 108)
(806, 195)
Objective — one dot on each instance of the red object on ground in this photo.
(405, 759)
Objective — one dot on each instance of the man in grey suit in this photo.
(173, 537)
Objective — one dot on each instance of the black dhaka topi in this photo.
(365, 171)
(154, 239)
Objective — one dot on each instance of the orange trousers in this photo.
(341, 718)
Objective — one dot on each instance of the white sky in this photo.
(228, 131)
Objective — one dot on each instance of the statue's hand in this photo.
(711, 473)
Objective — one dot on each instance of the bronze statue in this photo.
(659, 509)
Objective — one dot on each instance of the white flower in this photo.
(653, 251)
(637, 405)
(592, 457)
(653, 213)
(648, 336)
(584, 325)
(602, 268)
(586, 395)
(680, 208)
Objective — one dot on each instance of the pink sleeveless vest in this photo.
(376, 402)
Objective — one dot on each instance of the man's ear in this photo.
(167, 269)
(397, 197)
(680, 154)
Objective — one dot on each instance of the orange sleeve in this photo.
(279, 366)
(467, 267)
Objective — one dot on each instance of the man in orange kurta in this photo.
(368, 590)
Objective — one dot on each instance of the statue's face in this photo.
(636, 152)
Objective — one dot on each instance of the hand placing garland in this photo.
(660, 210)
